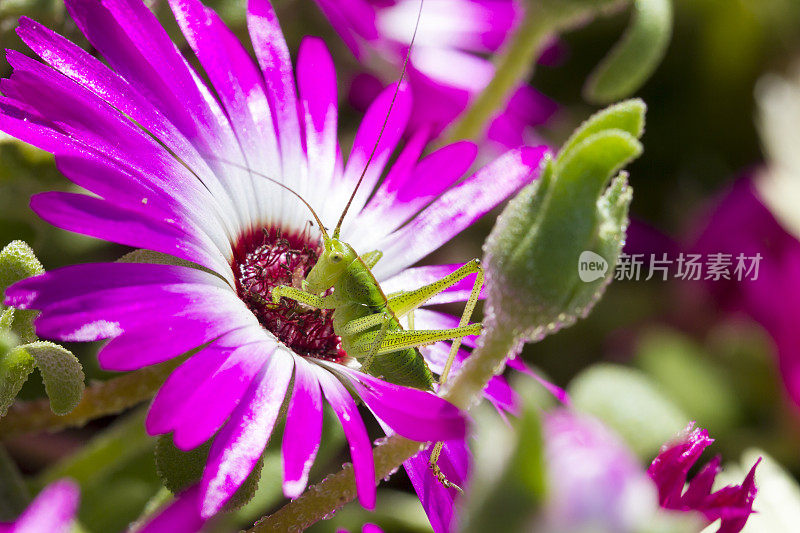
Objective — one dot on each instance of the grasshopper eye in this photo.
(335, 258)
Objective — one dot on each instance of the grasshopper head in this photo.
(335, 258)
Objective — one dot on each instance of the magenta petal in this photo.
(670, 468)
(560, 394)
(182, 515)
(276, 64)
(109, 313)
(501, 395)
(241, 441)
(55, 286)
(233, 74)
(212, 402)
(316, 81)
(360, 446)
(366, 136)
(702, 484)
(52, 511)
(402, 194)
(303, 429)
(147, 57)
(175, 392)
(414, 414)
(139, 347)
(90, 72)
(458, 208)
(98, 218)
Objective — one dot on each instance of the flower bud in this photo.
(555, 246)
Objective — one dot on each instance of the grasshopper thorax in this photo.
(336, 256)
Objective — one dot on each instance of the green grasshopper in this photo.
(368, 321)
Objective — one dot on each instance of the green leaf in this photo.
(634, 58)
(61, 372)
(99, 458)
(627, 116)
(631, 404)
(179, 469)
(554, 223)
(7, 319)
(14, 495)
(15, 367)
(18, 262)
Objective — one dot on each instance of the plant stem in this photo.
(125, 439)
(544, 19)
(513, 67)
(100, 399)
(334, 491)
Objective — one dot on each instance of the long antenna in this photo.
(385, 122)
(278, 183)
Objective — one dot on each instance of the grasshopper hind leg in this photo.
(468, 309)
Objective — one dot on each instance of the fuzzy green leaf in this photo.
(179, 470)
(634, 58)
(627, 116)
(7, 319)
(17, 262)
(552, 223)
(62, 374)
(15, 367)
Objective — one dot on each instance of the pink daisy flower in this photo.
(166, 156)
(448, 65)
(53, 510)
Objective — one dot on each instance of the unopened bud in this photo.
(554, 248)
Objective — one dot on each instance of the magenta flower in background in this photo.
(732, 505)
(53, 511)
(167, 162)
(448, 66)
(740, 223)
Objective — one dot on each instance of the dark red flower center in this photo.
(266, 259)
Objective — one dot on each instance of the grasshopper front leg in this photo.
(311, 300)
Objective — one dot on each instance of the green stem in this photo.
(543, 20)
(338, 489)
(495, 346)
(514, 66)
(124, 440)
(100, 399)
(335, 490)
